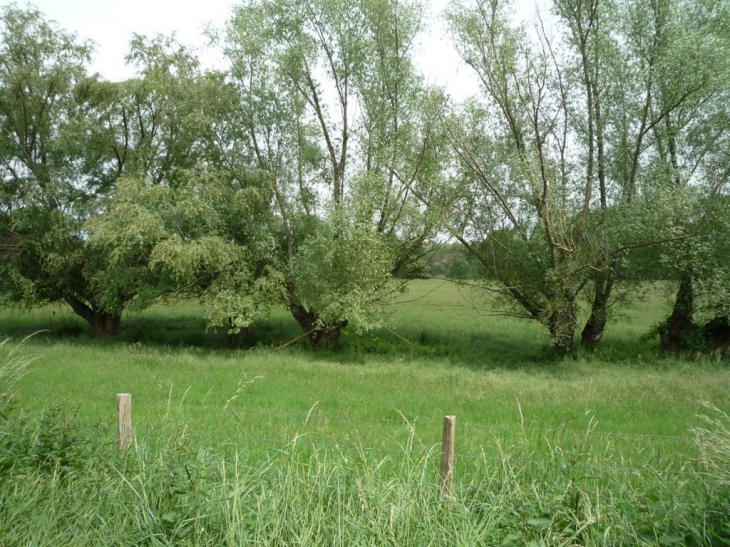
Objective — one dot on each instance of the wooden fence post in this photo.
(447, 454)
(124, 415)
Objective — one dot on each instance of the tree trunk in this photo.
(106, 324)
(562, 325)
(716, 334)
(596, 324)
(592, 333)
(102, 323)
(320, 336)
(674, 334)
(237, 334)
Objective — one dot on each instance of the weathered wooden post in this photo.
(124, 415)
(447, 454)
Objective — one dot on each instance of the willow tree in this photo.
(558, 154)
(48, 188)
(692, 151)
(665, 120)
(187, 218)
(336, 119)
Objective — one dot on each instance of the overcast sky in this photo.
(110, 25)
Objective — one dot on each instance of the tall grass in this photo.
(164, 491)
(713, 438)
(12, 367)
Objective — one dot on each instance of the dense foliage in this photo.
(598, 131)
(319, 171)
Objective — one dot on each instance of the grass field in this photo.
(619, 418)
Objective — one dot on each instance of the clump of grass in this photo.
(12, 366)
(713, 439)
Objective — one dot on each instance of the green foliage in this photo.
(45, 195)
(703, 296)
(52, 446)
(201, 238)
(12, 367)
(692, 339)
(58, 446)
(341, 125)
(459, 269)
(343, 271)
(320, 167)
(708, 263)
(581, 145)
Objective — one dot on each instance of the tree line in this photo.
(319, 170)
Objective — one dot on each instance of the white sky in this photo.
(110, 25)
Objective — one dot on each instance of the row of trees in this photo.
(318, 170)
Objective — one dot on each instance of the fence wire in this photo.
(354, 418)
(420, 450)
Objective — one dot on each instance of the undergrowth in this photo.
(165, 491)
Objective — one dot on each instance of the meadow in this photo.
(599, 448)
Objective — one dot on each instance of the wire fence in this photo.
(480, 443)
(367, 419)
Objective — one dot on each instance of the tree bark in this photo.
(593, 331)
(236, 337)
(674, 334)
(320, 336)
(102, 323)
(562, 325)
(716, 333)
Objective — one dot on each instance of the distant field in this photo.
(435, 318)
